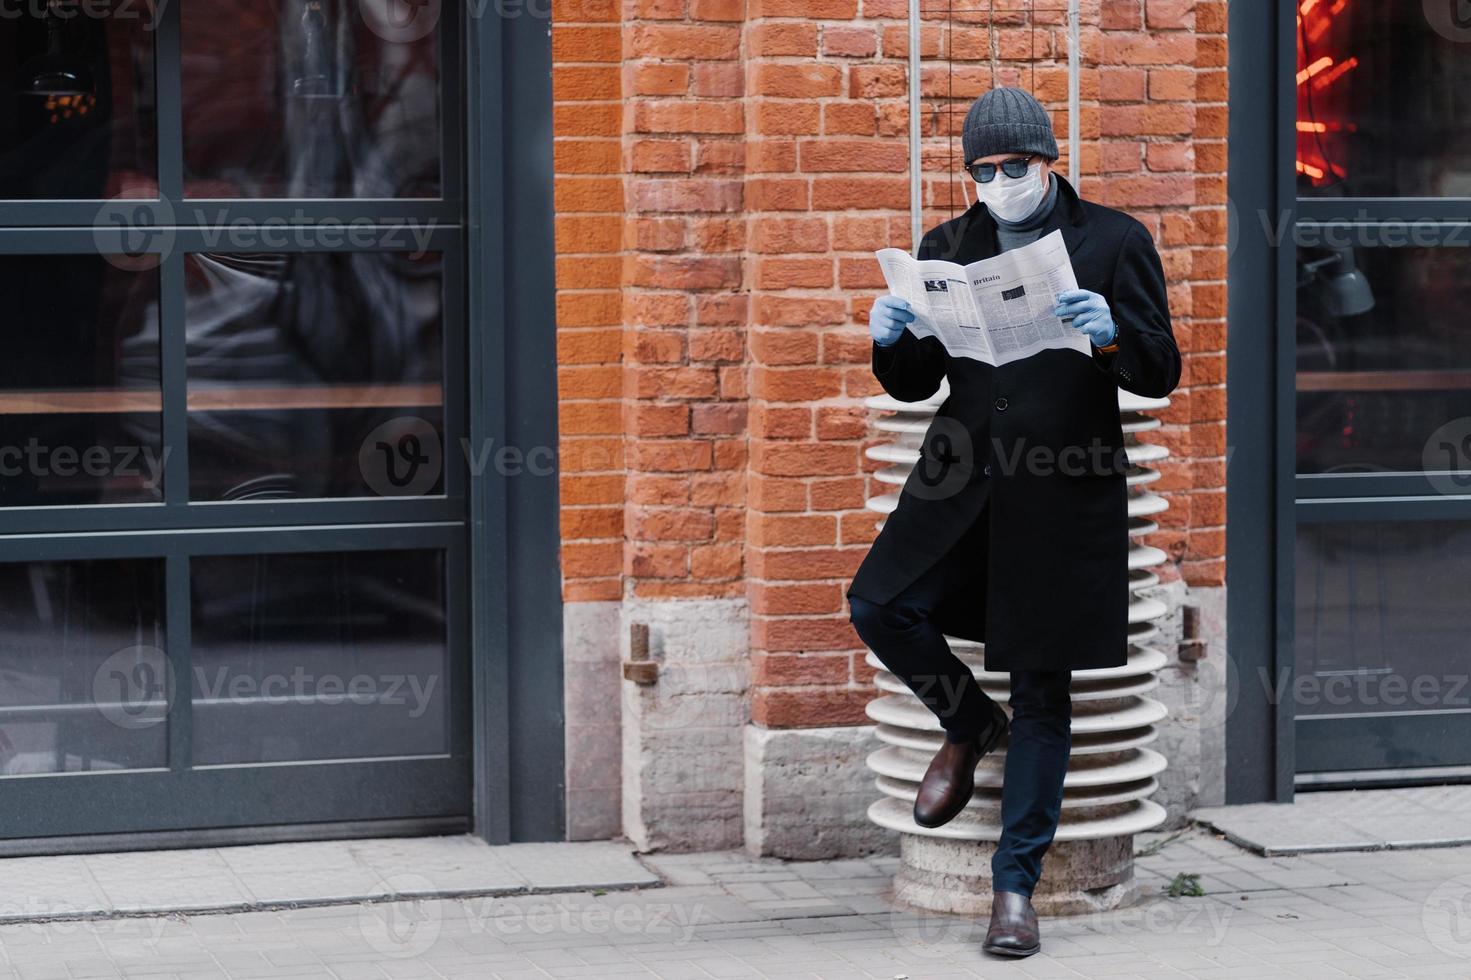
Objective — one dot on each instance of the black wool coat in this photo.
(1039, 440)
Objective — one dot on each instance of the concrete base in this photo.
(1078, 877)
(807, 793)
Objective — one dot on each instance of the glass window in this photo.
(319, 656)
(78, 98)
(314, 374)
(83, 666)
(1383, 99)
(1382, 620)
(1383, 356)
(307, 100)
(79, 382)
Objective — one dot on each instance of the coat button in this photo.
(1001, 404)
(986, 469)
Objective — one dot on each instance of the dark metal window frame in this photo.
(1266, 498)
(494, 217)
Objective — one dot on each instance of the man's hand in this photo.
(887, 319)
(1089, 313)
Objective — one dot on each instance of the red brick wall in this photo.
(724, 172)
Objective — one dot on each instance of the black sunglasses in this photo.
(984, 173)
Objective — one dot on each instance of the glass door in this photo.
(1382, 629)
(232, 544)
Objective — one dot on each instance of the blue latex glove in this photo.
(887, 319)
(1089, 313)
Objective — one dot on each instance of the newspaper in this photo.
(996, 310)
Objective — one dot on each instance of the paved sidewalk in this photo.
(1348, 820)
(1350, 914)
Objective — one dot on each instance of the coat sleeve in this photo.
(911, 368)
(1148, 360)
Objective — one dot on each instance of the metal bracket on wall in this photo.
(639, 668)
(1192, 647)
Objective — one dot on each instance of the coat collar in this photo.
(978, 228)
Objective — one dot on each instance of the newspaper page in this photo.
(996, 310)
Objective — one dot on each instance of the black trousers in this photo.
(902, 636)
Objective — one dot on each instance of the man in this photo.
(1012, 529)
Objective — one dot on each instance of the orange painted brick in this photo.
(792, 531)
(584, 11)
(694, 42)
(682, 116)
(808, 80)
(581, 559)
(795, 600)
(781, 422)
(785, 235)
(587, 271)
(571, 44)
(588, 309)
(718, 419)
(588, 194)
(812, 9)
(865, 193)
(775, 348)
(717, 345)
(789, 273)
(588, 346)
(661, 156)
(717, 80)
(583, 523)
(732, 10)
(695, 194)
(655, 234)
(658, 9)
(864, 156)
(717, 561)
(672, 382)
(799, 311)
(849, 119)
(587, 119)
(585, 83)
(787, 118)
(595, 156)
(849, 42)
(838, 494)
(805, 459)
(720, 156)
(794, 38)
(778, 194)
(720, 310)
(718, 234)
(771, 156)
(658, 560)
(877, 82)
(809, 707)
(776, 494)
(682, 272)
(657, 309)
(789, 669)
(660, 79)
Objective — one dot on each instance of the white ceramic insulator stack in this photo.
(1112, 772)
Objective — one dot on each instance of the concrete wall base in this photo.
(807, 793)
(943, 875)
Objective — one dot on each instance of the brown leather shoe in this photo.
(951, 778)
(1013, 930)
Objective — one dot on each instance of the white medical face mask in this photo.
(1013, 198)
